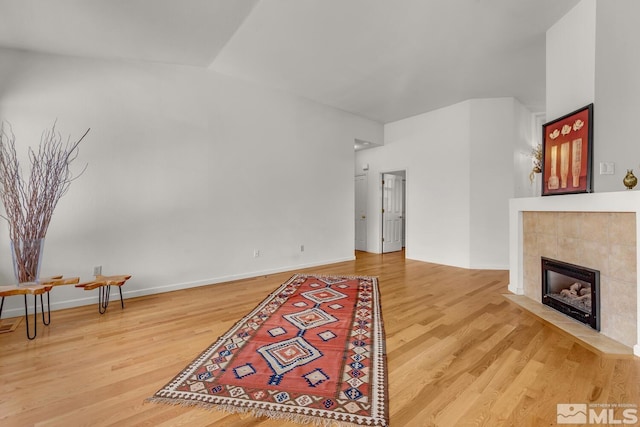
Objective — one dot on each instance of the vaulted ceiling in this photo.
(381, 59)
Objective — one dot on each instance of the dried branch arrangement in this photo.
(29, 205)
(536, 158)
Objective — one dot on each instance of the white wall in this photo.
(617, 91)
(188, 172)
(494, 128)
(459, 164)
(528, 136)
(570, 68)
(435, 145)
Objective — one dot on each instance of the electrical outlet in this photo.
(256, 253)
(97, 270)
(607, 168)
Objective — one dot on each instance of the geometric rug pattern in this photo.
(312, 352)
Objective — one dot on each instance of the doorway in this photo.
(361, 213)
(393, 211)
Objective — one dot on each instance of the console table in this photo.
(104, 283)
(43, 286)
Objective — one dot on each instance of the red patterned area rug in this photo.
(312, 352)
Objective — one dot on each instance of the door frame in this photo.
(402, 173)
(366, 198)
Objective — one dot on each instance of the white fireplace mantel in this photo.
(623, 201)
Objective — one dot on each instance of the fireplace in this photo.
(597, 230)
(572, 290)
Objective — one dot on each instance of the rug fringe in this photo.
(256, 412)
(328, 276)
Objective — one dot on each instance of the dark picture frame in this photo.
(567, 153)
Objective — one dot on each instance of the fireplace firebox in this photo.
(572, 290)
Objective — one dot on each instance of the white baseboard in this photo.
(131, 293)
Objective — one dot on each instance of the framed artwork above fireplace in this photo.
(567, 153)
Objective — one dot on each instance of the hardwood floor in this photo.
(458, 354)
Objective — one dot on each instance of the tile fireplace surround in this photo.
(597, 230)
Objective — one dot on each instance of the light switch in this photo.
(607, 168)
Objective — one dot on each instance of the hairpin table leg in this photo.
(35, 316)
(1, 304)
(48, 318)
(103, 298)
(121, 300)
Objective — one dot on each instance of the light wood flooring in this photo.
(459, 353)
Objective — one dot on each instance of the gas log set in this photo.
(577, 294)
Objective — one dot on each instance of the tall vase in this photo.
(27, 256)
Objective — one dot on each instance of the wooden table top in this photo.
(36, 288)
(45, 284)
(23, 289)
(104, 281)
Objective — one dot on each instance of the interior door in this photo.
(392, 210)
(361, 212)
